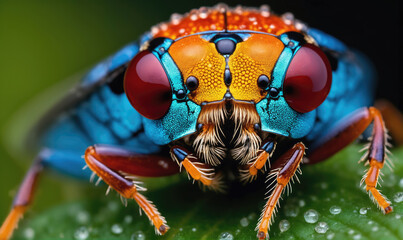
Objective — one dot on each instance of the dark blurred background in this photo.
(44, 42)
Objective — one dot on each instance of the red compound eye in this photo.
(308, 79)
(147, 86)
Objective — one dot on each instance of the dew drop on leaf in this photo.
(244, 222)
(116, 229)
(291, 210)
(357, 237)
(226, 236)
(29, 233)
(330, 235)
(375, 228)
(311, 216)
(82, 217)
(194, 229)
(335, 210)
(398, 197)
(401, 183)
(81, 233)
(284, 225)
(363, 210)
(321, 227)
(128, 219)
(301, 203)
(252, 216)
(139, 235)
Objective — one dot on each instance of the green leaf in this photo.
(194, 214)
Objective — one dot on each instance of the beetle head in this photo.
(274, 81)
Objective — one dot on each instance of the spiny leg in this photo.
(23, 198)
(283, 171)
(350, 129)
(116, 167)
(249, 172)
(198, 170)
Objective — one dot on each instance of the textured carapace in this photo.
(221, 17)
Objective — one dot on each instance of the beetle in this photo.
(242, 86)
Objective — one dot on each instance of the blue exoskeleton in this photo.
(240, 86)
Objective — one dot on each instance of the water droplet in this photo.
(128, 219)
(113, 206)
(321, 227)
(82, 217)
(244, 222)
(226, 236)
(311, 216)
(401, 183)
(180, 229)
(375, 228)
(81, 233)
(284, 225)
(356, 237)
(398, 216)
(237, 231)
(330, 235)
(398, 197)
(139, 235)
(301, 203)
(29, 233)
(335, 210)
(194, 229)
(252, 216)
(351, 232)
(116, 229)
(291, 210)
(370, 222)
(363, 210)
(314, 198)
(323, 185)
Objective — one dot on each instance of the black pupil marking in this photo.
(225, 46)
(116, 83)
(227, 77)
(263, 81)
(273, 92)
(181, 94)
(192, 83)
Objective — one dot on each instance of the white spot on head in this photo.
(288, 18)
(265, 10)
(176, 18)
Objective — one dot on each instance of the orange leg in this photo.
(22, 200)
(117, 167)
(249, 172)
(351, 129)
(196, 169)
(283, 172)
